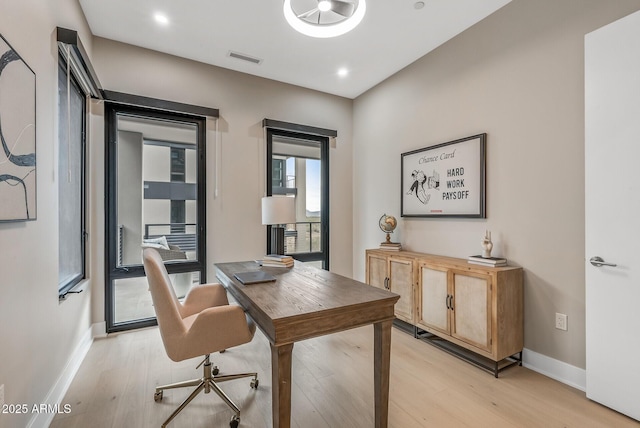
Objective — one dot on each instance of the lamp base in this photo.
(277, 240)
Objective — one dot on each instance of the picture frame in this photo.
(445, 180)
(18, 137)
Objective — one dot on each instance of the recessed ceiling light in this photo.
(418, 5)
(343, 72)
(161, 18)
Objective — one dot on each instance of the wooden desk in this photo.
(307, 302)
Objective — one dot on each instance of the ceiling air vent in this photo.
(243, 57)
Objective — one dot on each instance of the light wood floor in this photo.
(332, 388)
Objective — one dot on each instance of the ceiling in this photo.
(392, 35)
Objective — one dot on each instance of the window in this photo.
(278, 172)
(178, 207)
(71, 180)
(155, 186)
(177, 165)
(298, 166)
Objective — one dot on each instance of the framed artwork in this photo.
(18, 136)
(445, 180)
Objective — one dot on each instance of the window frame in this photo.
(113, 272)
(323, 144)
(64, 288)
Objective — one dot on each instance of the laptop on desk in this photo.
(254, 277)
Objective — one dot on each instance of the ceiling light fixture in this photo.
(161, 19)
(324, 5)
(330, 18)
(343, 72)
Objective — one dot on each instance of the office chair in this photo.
(203, 324)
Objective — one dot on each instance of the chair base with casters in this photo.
(206, 384)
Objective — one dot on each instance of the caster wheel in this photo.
(235, 421)
(215, 370)
(254, 383)
(157, 396)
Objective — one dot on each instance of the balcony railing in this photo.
(302, 237)
(181, 234)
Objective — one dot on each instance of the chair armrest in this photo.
(221, 327)
(203, 296)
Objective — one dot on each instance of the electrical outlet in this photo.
(2, 396)
(561, 321)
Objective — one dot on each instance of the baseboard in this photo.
(555, 369)
(59, 389)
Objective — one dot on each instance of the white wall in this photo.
(234, 224)
(518, 76)
(38, 335)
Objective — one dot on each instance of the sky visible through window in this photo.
(312, 179)
(313, 185)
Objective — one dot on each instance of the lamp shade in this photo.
(278, 210)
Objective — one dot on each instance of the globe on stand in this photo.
(387, 224)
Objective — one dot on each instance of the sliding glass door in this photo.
(155, 198)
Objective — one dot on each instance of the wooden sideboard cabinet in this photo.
(397, 274)
(475, 307)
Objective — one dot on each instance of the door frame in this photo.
(112, 271)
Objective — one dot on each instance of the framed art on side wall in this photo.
(18, 136)
(445, 180)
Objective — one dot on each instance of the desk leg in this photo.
(381, 365)
(281, 385)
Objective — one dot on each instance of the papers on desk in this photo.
(254, 277)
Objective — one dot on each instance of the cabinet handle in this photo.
(386, 283)
(450, 301)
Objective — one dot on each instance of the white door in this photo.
(612, 210)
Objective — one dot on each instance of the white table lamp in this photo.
(277, 211)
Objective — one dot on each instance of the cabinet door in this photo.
(401, 282)
(471, 314)
(376, 270)
(433, 293)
